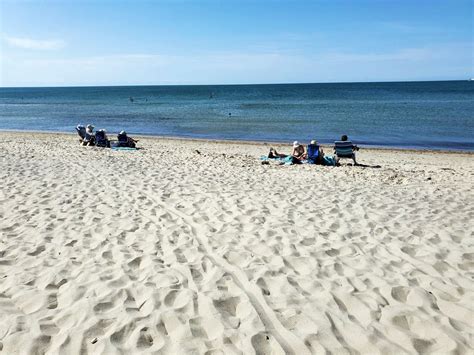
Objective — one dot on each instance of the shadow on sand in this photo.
(364, 166)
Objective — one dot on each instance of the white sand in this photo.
(167, 250)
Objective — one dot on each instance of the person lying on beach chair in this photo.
(315, 154)
(298, 153)
(89, 137)
(81, 131)
(101, 139)
(345, 149)
(125, 141)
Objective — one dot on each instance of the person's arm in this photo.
(303, 154)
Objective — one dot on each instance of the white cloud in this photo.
(35, 44)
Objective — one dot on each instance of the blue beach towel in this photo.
(287, 161)
(123, 148)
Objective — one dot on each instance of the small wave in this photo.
(255, 105)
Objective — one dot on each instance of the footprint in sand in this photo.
(71, 243)
(38, 250)
(52, 301)
(264, 343)
(145, 340)
(400, 293)
(103, 307)
(40, 345)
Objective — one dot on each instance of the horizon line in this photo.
(241, 84)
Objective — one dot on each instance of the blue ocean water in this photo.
(435, 115)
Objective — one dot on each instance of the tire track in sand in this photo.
(290, 343)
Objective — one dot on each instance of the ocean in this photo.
(424, 115)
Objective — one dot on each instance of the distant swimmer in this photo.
(211, 95)
(230, 114)
(131, 99)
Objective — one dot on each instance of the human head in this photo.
(90, 127)
(123, 133)
(314, 142)
(344, 138)
(296, 144)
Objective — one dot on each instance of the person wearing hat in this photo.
(126, 141)
(298, 153)
(89, 138)
(315, 154)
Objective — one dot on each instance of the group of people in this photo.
(99, 139)
(314, 153)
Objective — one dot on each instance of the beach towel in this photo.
(286, 161)
(124, 148)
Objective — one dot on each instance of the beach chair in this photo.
(313, 154)
(89, 139)
(81, 131)
(101, 139)
(344, 149)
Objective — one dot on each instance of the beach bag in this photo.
(329, 161)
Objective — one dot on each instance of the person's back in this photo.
(125, 141)
(314, 153)
(89, 137)
(298, 152)
(345, 149)
(101, 139)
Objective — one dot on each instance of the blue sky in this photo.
(57, 43)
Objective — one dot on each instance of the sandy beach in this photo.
(196, 247)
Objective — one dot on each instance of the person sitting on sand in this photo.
(125, 141)
(89, 137)
(298, 153)
(345, 149)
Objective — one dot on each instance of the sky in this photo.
(105, 42)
